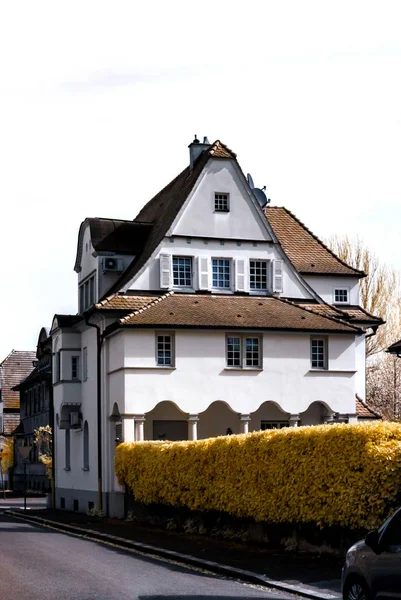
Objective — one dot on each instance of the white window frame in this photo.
(243, 337)
(85, 364)
(268, 276)
(216, 199)
(341, 289)
(316, 338)
(178, 286)
(87, 292)
(230, 264)
(171, 335)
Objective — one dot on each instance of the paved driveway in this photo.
(42, 564)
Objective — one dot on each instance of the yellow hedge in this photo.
(332, 475)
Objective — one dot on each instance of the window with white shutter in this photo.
(278, 276)
(165, 271)
(240, 275)
(203, 272)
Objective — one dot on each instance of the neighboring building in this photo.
(364, 412)
(36, 401)
(395, 349)
(210, 313)
(13, 369)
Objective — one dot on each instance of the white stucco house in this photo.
(210, 313)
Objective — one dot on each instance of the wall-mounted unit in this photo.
(111, 264)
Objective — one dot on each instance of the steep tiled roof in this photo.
(325, 310)
(360, 315)
(164, 207)
(306, 252)
(364, 412)
(209, 311)
(14, 369)
(126, 303)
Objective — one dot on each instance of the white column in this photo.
(244, 423)
(128, 429)
(294, 420)
(139, 428)
(193, 427)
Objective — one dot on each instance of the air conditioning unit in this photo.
(75, 420)
(112, 264)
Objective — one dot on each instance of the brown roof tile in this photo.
(306, 252)
(10, 422)
(250, 312)
(359, 314)
(364, 412)
(14, 369)
(127, 303)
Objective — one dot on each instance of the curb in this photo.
(233, 572)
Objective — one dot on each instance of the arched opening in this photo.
(316, 414)
(218, 419)
(86, 446)
(166, 422)
(269, 416)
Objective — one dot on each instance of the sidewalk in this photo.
(317, 573)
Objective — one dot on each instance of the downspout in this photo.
(99, 341)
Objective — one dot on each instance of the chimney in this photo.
(196, 148)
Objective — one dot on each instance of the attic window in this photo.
(341, 296)
(221, 202)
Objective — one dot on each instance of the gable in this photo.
(243, 221)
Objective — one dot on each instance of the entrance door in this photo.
(170, 430)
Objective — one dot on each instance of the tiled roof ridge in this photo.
(333, 254)
(141, 310)
(215, 146)
(365, 404)
(310, 310)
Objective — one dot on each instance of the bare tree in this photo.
(379, 290)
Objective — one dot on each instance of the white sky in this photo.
(99, 100)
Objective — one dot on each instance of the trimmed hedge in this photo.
(347, 475)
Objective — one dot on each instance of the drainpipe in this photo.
(99, 341)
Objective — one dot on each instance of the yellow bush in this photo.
(332, 475)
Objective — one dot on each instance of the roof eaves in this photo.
(334, 319)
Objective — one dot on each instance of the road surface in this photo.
(42, 564)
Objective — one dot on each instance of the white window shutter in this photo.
(278, 276)
(241, 275)
(204, 272)
(165, 271)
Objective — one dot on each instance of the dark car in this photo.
(372, 569)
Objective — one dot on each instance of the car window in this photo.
(391, 536)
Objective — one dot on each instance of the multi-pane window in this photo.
(165, 350)
(57, 370)
(234, 352)
(221, 202)
(182, 271)
(258, 274)
(74, 367)
(87, 294)
(221, 270)
(273, 425)
(319, 353)
(341, 296)
(244, 352)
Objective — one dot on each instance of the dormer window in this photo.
(341, 296)
(221, 202)
(87, 293)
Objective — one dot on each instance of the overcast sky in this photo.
(99, 101)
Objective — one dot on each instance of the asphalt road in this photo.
(42, 564)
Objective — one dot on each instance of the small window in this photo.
(74, 367)
(86, 447)
(258, 274)
(85, 364)
(182, 271)
(265, 425)
(165, 350)
(319, 353)
(67, 450)
(221, 202)
(221, 271)
(244, 352)
(62, 502)
(341, 296)
(57, 370)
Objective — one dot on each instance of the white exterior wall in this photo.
(325, 287)
(200, 376)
